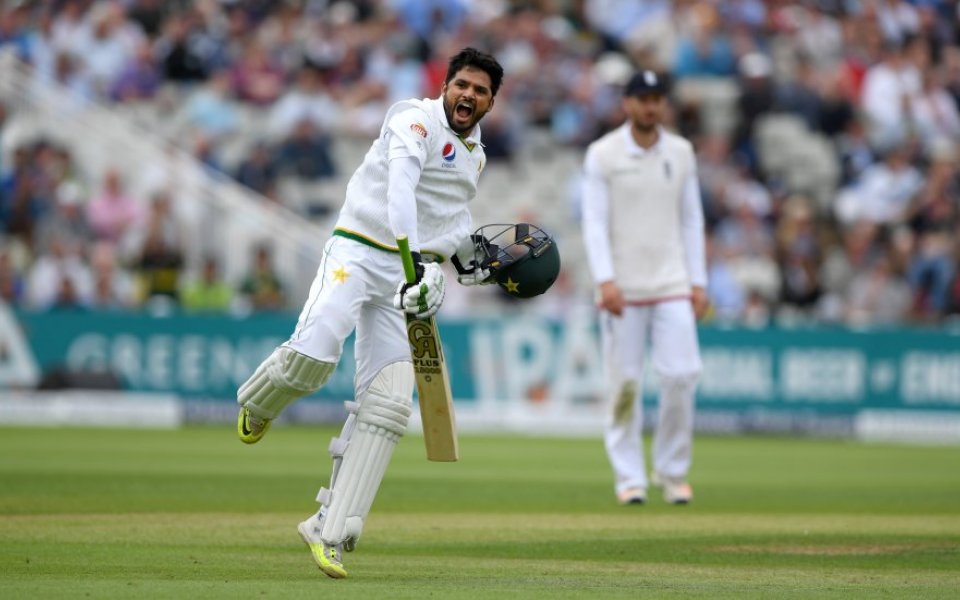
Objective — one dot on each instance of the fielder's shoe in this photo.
(250, 428)
(327, 557)
(635, 495)
(675, 489)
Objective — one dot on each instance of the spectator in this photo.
(256, 79)
(933, 221)
(858, 248)
(211, 111)
(14, 31)
(262, 287)
(801, 94)
(934, 111)
(428, 18)
(885, 190)
(836, 111)
(139, 79)
(21, 203)
(854, 152)
(112, 40)
(887, 90)
(12, 281)
(877, 296)
(757, 97)
(209, 293)
(727, 296)
(306, 101)
(112, 212)
(159, 250)
(798, 250)
(149, 15)
(306, 153)
(258, 171)
(180, 60)
(705, 50)
(67, 221)
(59, 277)
(113, 287)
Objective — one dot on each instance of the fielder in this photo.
(415, 180)
(644, 234)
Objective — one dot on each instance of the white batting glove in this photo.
(476, 276)
(423, 298)
(469, 272)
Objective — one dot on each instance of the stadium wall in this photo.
(519, 374)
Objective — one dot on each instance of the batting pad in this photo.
(367, 445)
(280, 379)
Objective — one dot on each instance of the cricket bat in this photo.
(430, 371)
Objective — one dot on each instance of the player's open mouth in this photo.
(464, 110)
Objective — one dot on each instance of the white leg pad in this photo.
(381, 421)
(282, 378)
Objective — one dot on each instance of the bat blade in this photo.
(433, 388)
(430, 373)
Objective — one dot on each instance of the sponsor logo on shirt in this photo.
(449, 153)
(419, 129)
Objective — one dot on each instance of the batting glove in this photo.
(423, 297)
(474, 275)
(469, 271)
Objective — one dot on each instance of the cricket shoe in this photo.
(250, 428)
(634, 495)
(676, 490)
(327, 557)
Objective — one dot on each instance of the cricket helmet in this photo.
(523, 258)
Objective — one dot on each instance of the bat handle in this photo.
(409, 270)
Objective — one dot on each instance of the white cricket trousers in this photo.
(354, 289)
(669, 329)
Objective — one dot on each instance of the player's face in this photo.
(466, 98)
(645, 111)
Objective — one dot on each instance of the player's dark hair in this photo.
(471, 57)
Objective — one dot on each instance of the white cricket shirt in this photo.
(449, 168)
(642, 216)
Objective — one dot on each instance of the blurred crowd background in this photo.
(826, 132)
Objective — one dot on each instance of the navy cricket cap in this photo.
(645, 82)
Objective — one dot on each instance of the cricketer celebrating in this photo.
(415, 180)
(644, 234)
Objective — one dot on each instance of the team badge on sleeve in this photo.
(418, 129)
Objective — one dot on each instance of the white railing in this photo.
(221, 216)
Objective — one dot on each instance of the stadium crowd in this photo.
(878, 80)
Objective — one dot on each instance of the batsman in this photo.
(416, 181)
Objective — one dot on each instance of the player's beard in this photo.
(449, 108)
(645, 126)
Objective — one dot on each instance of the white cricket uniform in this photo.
(643, 230)
(361, 268)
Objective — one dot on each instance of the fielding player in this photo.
(644, 235)
(416, 180)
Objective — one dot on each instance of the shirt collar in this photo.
(439, 114)
(636, 149)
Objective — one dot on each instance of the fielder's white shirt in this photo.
(417, 179)
(642, 216)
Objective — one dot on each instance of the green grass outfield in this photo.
(193, 513)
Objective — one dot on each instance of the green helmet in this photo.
(522, 258)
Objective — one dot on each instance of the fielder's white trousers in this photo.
(669, 329)
(354, 289)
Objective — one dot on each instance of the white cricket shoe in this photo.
(676, 490)
(634, 495)
(328, 557)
